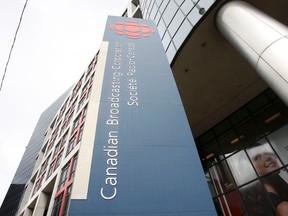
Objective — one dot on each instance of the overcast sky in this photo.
(56, 41)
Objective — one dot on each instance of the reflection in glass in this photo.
(222, 178)
(248, 131)
(211, 153)
(277, 189)
(263, 158)
(241, 168)
(256, 200)
(234, 203)
(230, 143)
(270, 119)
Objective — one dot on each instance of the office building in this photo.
(23, 173)
(121, 143)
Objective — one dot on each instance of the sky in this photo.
(56, 41)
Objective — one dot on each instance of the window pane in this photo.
(258, 103)
(263, 158)
(277, 187)
(239, 116)
(248, 132)
(222, 178)
(241, 168)
(255, 200)
(232, 204)
(211, 153)
(230, 143)
(270, 119)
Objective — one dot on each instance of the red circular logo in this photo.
(132, 29)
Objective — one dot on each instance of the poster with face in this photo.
(263, 158)
(272, 172)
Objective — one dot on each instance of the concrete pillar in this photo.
(262, 40)
(41, 204)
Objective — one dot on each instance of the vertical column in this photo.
(262, 40)
(41, 204)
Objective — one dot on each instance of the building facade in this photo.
(104, 154)
(24, 171)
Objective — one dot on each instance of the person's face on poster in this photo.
(264, 159)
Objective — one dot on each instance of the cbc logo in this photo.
(132, 29)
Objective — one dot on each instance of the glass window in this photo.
(182, 33)
(51, 169)
(271, 95)
(231, 204)
(270, 119)
(63, 176)
(283, 108)
(176, 22)
(255, 199)
(71, 144)
(74, 167)
(80, 134)
(263, 158)
(59, 159)
(169, 12)
(247, 132)
(277, 187)
(222, 178)
(67, 200)
(76, 122)
(241, 168)
(211, 153)
(230, 143)
(239, 116)
(258, 103)
(222, 127)
(206, 137)
(57, 205)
